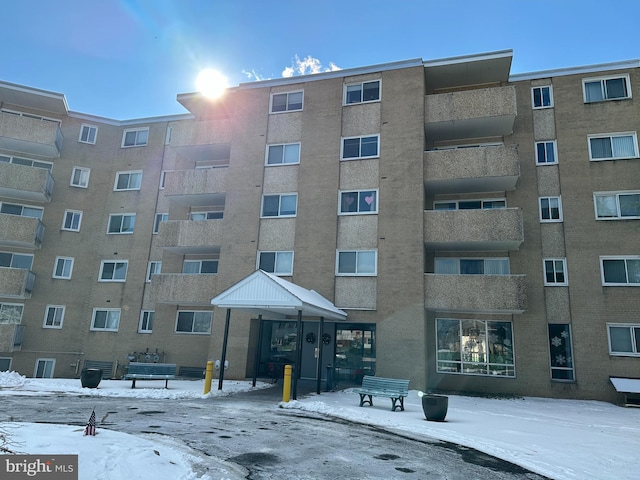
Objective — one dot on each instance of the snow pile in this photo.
(11, 380)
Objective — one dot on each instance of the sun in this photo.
(211, 83)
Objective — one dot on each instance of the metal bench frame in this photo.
(150, 371)
(393, 388)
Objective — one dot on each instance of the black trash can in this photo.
(90, 377)
(435, 407)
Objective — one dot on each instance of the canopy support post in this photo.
(320, 348)
(224, 349)
(298, 354)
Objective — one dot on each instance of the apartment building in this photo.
(476, 228)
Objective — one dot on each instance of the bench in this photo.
(393, 388)
(150, 371)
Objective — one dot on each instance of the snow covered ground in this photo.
(562, 439)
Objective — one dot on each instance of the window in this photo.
(359, 201)
(471, 266)
(113, 271)
(288, 153)
(555, 272)
(280, 263)
(16, 260)
(128, 181)
(620, 271)
(560, 352)
(122, 223)
(5, 364)
(542, 97)
(160, 217)
(88, 134)
(195, 267)
(550, 209)
(21, 210)
(280, 205)
(135, 137)
(362, 92)
(470, 204)
(611, 147)
(153, 268)
(360, 147)
(11, 313)
(206, 215)
(71, 220)
(286, 102)
(80, 177)
(357, 262)
(146, 321)
(617, 205)
(474, 347)
(27, 162)
(546, 153)
(607, 88)
(63, 267)
(53, 316)
(163, 178)
(105, 319)
(624, 339)
(44, 368)
(194, 322)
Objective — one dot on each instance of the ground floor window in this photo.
(624, 339)
(194, 322)
(561, 352)
(5, 364)
(475, 347)
(355, 352)
(44, 368)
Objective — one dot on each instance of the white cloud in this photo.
(253, 75)
(306, 66)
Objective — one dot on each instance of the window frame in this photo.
(276, 253)
(287, 109)
(550, 219)
(603, 89)
(146, 317)
(115, 263)
(533, 97)
(506, 262)
(81, 170)
(158, 219)
(604, 258)
(89, 128)
(360, 156)
(611, 136)
(130, 173)
(548, 283)
(26, 162)
(122, 216)
(635, 345)
(617, 196)
(356, 273)
(65, 260)
(93, 328)
(562, 354)
(192, 332)
(345, 96)
(15, 255)
(135, 143)
(376, 200)
(22, 208)
(152, 266)
(74, 214)
(456, 203)
(279, 195)
(56, 309)
(199, 261)
(554, 149)
(48, 368)
(284, 148)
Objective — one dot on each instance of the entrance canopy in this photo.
(263, 293)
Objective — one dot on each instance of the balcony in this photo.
(11, 336)
(30, 136)
(16, 283)
(181, 289)
(491, 294)
(190, 236)
(478, 113)
(197, 187)
(25, 183)
(476, 169)
(497, 229)
(21, 232)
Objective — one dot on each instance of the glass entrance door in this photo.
(355, 352)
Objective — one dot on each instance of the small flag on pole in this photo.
(90, 429)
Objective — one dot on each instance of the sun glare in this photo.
(211, 83)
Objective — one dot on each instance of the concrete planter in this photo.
(90, 377)
(435, 407)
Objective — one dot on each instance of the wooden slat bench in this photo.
(393, 388)
(150, 371)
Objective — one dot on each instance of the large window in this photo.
(280, 263)
(16, 260)
(471, 266)
(555, 271)
(620, 271)
(614, 146)
(474, 347)
(606, 88)
(362, 92)
(72, 220)
(21, 210)
(63, 268)
(88, 134)
(44, 368)
(113, 271)
(53, 316)
(146, 321)
(560, 352)
(286, 102)
(11, 313)
(624, 339)
(550, 209)
(542, 97)
(128, 181)
(617, 205)
(360, 147)
(122, 223)
(194, 322)
(105, 319)
(480, 204)
(280, 205)
(27, 162)
(212, 215)
(135, 137)
(288, 153)
(546, 153)
(357, 262)
(80, 177)
(194, 267)
(359, 201)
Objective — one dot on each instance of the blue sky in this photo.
(126, 59)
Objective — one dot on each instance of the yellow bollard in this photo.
(286, 385)
(207, 377)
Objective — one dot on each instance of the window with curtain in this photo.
(471, 266)
(624, 339)
(613, 146)
(615, 206)
(620, 271)
(610, 88)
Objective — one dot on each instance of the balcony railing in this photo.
(197, 187)
(21, 232)
(190, 236)
(181, 289)
(16, 283)
(25, 183)
(31, 136)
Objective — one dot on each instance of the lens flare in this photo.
(211, 83)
